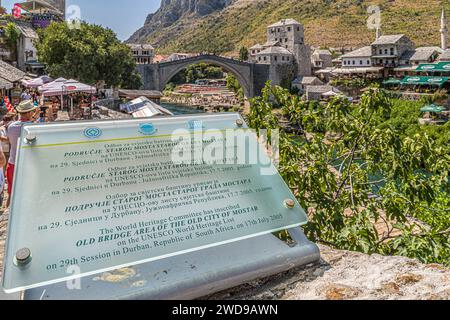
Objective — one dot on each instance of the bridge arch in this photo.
(241, 70)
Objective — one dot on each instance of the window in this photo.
(345, 62)
(381, 51)
(282, 58)
(265, 58)
(298, 28)
(287, 58)
(275, 58)
(259, 58)
(392, 51)
(353, 62)
(368, 62)
(253, 51)
(289, 29)
(279, 30)
(360, 62)
(286, 40)
(385, 51)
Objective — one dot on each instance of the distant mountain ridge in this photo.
(225, 25)
(172, 11)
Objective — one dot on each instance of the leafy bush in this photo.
(368, 184)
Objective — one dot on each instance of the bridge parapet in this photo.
(193, 59)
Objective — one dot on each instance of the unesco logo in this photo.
(92, 133)
(147, 129)
(196, 125)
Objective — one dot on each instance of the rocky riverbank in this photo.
(211, 103)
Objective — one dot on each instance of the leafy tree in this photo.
(233, 85)
(90, 53)
(243, 54)
(12, 34)
(366, 185)
(202, 71)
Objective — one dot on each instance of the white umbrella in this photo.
(330, 94)
(48, 85)
(67, 87)
(34, 83)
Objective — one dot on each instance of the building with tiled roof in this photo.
(10, 73)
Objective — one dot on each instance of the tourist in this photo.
(4, 141)
(27, 113)
(25, 95)
(2, 175)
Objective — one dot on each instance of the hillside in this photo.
(225, 26)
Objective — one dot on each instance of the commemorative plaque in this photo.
(91, 197)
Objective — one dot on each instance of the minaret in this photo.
(444, 31)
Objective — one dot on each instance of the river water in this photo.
(178, 109)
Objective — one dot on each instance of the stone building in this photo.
(142, 53)
(420, 55)
(275, 55)
(304, 82)
(387, 50)
(358, 58)
(321, 59)
(26, 51)
(285, 52)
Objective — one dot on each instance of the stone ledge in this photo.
(343, 275)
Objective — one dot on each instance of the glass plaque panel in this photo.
(91, 197)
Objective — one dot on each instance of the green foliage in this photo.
(170, 87)
(233, 85)
(352, 83)
(368, 184)
(404, 118)
(243, 54)
(197, 72)
(12, 34)
(88, 54)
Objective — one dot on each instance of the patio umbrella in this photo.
(330, 94)
(392, 82)
(48, 85)
(35, 83)
(432, 108)
(57, 88)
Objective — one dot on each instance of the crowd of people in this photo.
(31, 107)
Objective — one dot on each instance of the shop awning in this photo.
(430, 81)
(392, 82)
(432, 108)
(434, 67)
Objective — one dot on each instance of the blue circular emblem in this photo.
(147, 129)
(92, 133)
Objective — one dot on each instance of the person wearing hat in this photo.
(27, 113)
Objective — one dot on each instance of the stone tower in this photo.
(290, 34)
(444, 31)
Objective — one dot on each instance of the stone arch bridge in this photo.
(251, 76)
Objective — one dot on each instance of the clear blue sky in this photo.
(122, 16)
